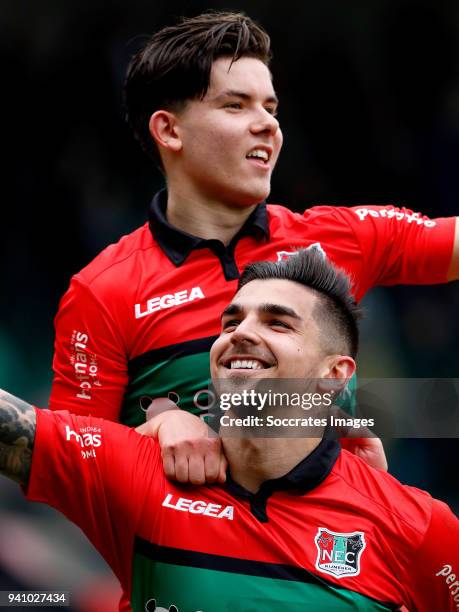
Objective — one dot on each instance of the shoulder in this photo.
(277, 211)
(352, 213)
(400, 506)
(111, 281)
(118, 259)
(321, 216)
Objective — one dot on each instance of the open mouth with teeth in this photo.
(259, 155)
(246, 364)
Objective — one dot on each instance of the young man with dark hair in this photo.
(300, 524)
(139, 320)
(175, 66)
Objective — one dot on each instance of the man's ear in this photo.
(163, 128)
(336, 372)
(341, 367)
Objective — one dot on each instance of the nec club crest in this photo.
(338, 554)
(316, 246)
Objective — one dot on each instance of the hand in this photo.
(361, 442)
(191, 451)
(371, 450)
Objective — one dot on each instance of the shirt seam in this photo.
(381, 505)
(100, 304)
(110, 265)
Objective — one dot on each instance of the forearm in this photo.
(453, 272)
(17, 434)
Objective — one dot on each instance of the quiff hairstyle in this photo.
(336, 312)
(175, 64)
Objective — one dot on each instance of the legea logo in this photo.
(198, 507)
(167, 301)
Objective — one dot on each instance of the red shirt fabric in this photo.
(141, 317)
(179, 544)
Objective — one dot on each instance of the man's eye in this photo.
(236, 105)
(278, 323)
(272, 110)
(230, 323)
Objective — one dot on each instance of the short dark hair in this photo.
(336, 312)
(175, 64)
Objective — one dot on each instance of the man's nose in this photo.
(246, 331)
(265, 122)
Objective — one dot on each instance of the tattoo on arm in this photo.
(17, 434)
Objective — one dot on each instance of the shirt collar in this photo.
(177, 245)
(304, 477)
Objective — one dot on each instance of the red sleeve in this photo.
(432, 580)
(399, 246)
(90, 361)
(97, 473)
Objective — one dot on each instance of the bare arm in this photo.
(17, 434)
(453, 272)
